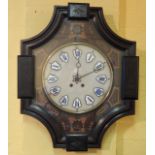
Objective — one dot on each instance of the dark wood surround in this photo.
(78, 131)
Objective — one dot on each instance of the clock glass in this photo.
(77, 77)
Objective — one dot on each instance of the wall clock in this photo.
(77, 77)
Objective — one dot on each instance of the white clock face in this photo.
(77, 77)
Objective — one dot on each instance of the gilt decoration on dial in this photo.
(77, 77)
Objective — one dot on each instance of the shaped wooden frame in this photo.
(26, 78)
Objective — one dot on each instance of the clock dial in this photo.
(99, 66)
(77, 77)
(55, 66)
(77, 53)
(64, 57)
(90, 57)
(89, 100)
(101, 78)
(77, 104)
(64, 100)
(55, 90)
(52, 78)
(98, 91)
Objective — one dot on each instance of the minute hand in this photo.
(94, 71)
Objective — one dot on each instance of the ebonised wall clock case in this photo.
(77, 77)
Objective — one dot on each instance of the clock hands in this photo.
(98, 67)
(76, 78)
(77, 55)
(94, 71)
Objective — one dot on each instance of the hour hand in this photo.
(76, 78)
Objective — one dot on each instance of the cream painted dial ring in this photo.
(77, 77)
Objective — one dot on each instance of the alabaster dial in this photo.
(77, 77)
